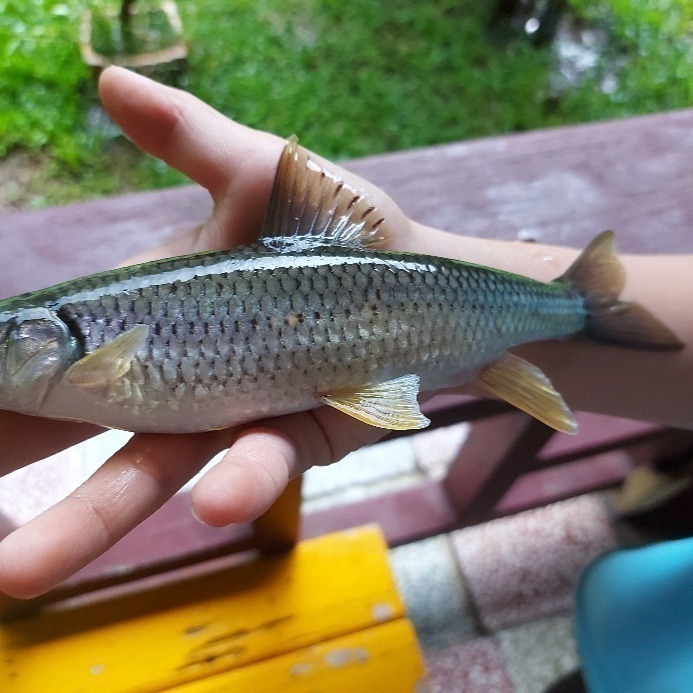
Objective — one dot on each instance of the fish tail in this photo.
(599, 276)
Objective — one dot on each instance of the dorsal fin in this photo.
(309, 201)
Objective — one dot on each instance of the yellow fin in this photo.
(524, 386)
(310, 202)
(391, 404)
(599, 276)
(110, 362)
(597, 273)
(646, 488)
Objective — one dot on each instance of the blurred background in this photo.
(351, 78)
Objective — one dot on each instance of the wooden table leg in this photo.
(279, 527)
(496, 453)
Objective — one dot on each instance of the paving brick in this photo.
(538, 654)
(435, 450)
(364, 467)
(473, 667)
(429, 580)
(525, 567)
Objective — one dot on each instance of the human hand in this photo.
(237, 166)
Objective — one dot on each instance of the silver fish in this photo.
(311, 314)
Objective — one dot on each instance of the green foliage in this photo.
(652, 41)
(351, 78)
(41, 77)
(362, 77)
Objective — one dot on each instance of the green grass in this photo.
(351, 78)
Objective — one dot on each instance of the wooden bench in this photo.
(557, 186)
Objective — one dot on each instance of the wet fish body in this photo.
(310, 315)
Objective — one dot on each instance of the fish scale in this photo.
(240, 334)
(311, 314)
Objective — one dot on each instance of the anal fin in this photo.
(392, 404)
(524, 386)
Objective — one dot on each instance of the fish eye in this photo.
(32, 337)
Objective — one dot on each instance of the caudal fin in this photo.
(599, 276)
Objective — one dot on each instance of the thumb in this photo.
(186, 133)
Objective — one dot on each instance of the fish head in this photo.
(36, 347)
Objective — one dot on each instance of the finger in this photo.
(255, 470)
(247, 480)
(126, 489)
(192, 137)
(235, 163)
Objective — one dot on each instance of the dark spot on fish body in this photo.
(342, 297)
(241, 288)
(182, 290)
(203, 371)
(191, 346)
(267, 304)
(190, 309)
(272, 285)
(272, 343)
(209, 346)
(251, 304)
(347, 281)
(299, 302)
(403, 277)
(288, 283)
(124, 303)
(318, 284)
(361, 279)
(249, 365)
(389, 277)
(332, 283)
(350, 333)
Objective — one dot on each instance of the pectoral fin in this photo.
(524, 386)
(110, 362)
(391, 404)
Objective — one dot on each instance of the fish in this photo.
(314, 313)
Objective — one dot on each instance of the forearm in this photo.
(633, 383)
